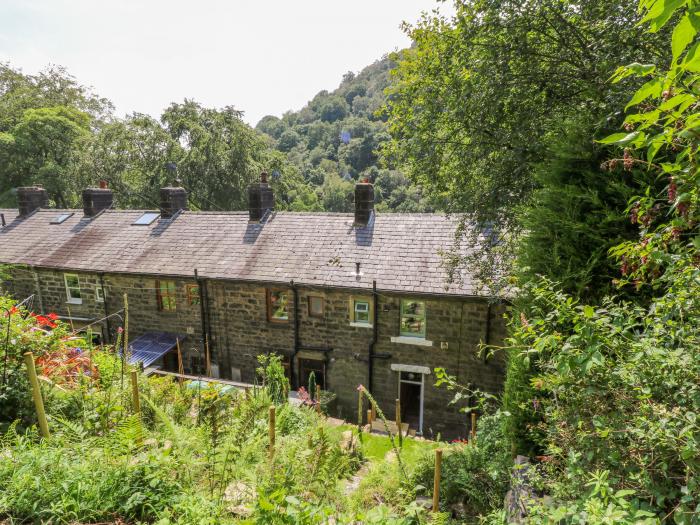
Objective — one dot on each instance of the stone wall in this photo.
(240, 331)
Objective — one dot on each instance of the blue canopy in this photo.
(151, 346)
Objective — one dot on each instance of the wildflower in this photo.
(628, 159)
(120, 330)
(634, 213)
(624, 267)
(360, 388)
(523, 319)
(672, 190)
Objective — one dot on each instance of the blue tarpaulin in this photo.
(151, 346)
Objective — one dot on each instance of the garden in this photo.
(120, 447)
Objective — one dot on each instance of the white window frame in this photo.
(69, 296)
(354, 301)
(99, 295)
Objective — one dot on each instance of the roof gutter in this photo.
(448, 296)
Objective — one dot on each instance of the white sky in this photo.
(261, 56)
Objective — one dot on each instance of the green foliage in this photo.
(333, 142)
(273, 378)
(476, 101)
(476, 474)
(576, 214)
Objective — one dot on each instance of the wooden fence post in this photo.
(271, 430)
(398, 421)
(135, 392)
(180, 366)
(436, 480)
(359, 410)
(473, 430)
(36, 394)
(318, 400)
(369, 419)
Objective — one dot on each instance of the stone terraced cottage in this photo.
(357, 298)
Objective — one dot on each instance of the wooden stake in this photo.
(359, 410)
(374, 413)
(398, 420)
(318, 400)
(135, 392)
(369, 419)
(436, 480)
(180, 367)
(36, 394)
(271, 431)
(473, 426)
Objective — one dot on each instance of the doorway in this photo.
(318, 367)
(411, 396)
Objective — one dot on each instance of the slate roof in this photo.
(9, 214)
(400, 251)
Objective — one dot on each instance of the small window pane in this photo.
(166, 296)
(146, 219)
(61, 218)
(315, 306)
(73, 288)
(99, 295)
(412, 318)
(361, 312)
(193, 294)
(278, 305)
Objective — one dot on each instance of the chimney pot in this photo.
(30, 199)
(96, 200)
(261, 199)
(173, 200)
(364, 203)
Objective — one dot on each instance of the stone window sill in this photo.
(74, 301)
(361, 325)
(406, 340)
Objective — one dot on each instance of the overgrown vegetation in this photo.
(194, 453)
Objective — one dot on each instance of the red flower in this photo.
(52, 316)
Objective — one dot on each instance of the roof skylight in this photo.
(60, 219)
(146, 219)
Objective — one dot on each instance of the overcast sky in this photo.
(261, 56)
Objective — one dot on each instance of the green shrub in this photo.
(475, 474)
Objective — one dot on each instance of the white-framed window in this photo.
(412, 318)
(73, 294)
(99, 295)
(360, 312)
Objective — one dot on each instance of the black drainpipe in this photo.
(295, 295)
(375, 336)
(104, 298)
(202, 315)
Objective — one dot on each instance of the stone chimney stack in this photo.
(364, 202)
(96, 200)
(261, 199)
(30, 199)
(173, 200)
